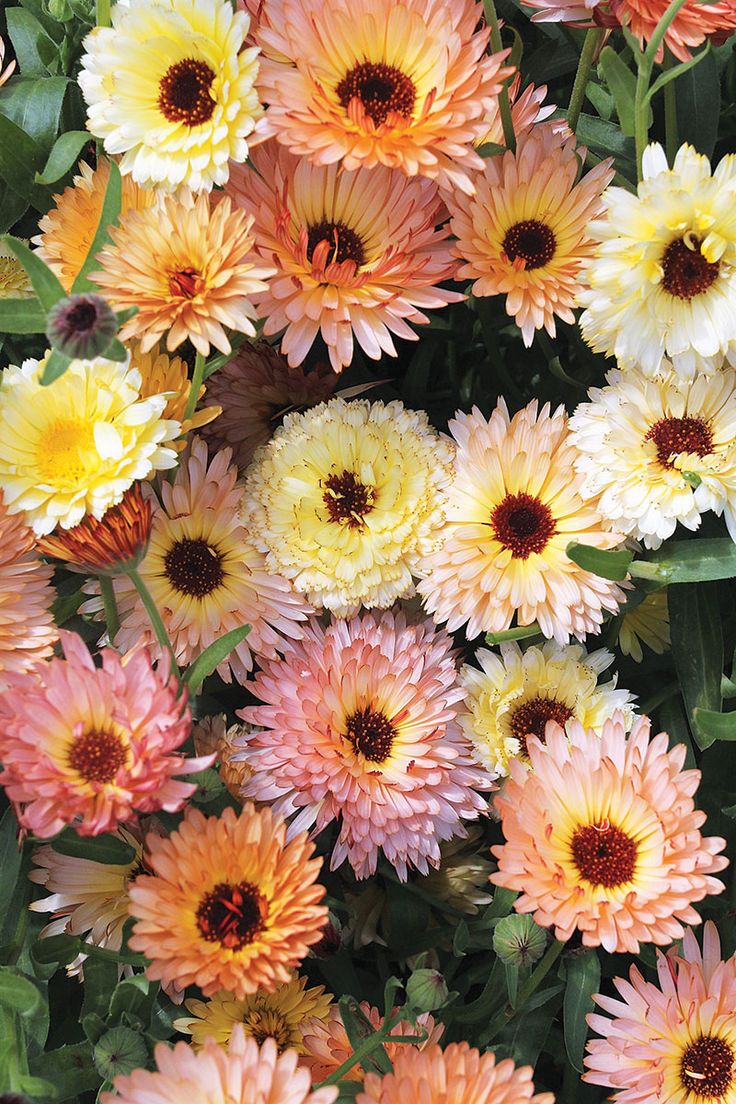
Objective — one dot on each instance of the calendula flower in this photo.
(661, 280)
(213, 736)
(603, 837)
(325, 1042)
(359, 254)
(346, 499)
(14, 282)
(425, 1077)
(523, 233)
(112, 545)
(527, 109)
(404, 84)
(68, 229)
(169, 87)
(229, 904)
(279, 1015)
(27, 630)
(75, 446)
(672, 1041)
(461, 879)
(256, 389)
(655, 452)
(92, 746)
(358, 726)
(647, 623)
(238, 1073)
(204, 574)
(187, 268)
(515, 504)
(514, 694)
(163, 374)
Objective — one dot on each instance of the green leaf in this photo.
(490, 149)
(608, 564)
(20, 156)
(55, 366)
(45, 284)
(38, 1088)
(690, 561)
(62, 949)
(219, 650)
(583, 980)
(10, 861)
(622, 83)
(697, 648)
(358, 1027)
(35, 106)
(676, 71)
(102, 849)
(100, 978)
(108, 215)
(522, 632)
(70, 1069)
(116, 351)
(19, 993)
(27, 34)
(698, 94)
(134, 996)
(22, 316)
(605, 138)
(63, 156)
(714, 726)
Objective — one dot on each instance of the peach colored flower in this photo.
(527, 109)
(603, 837)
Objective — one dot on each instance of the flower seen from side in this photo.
(213, 736)
(163, 374)
(647, 623)
(527, 109)
(108, 546)
(461, 879)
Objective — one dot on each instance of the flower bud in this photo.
(426, 990)
(119, 1051)
(81, 326)
(519, 941)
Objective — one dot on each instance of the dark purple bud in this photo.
(81, 326)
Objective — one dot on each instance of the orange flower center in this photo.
(707, 1068)
(184, 93)
(185, 283)
(686, 272)
(232, 915)
(382, 90)
(532, 241)
(604, 855)
(675, 435)
(530, 719)
(193, 567)
(522, 524)
(371, 733)
(347, 499)
(344, 243)
(97, 756)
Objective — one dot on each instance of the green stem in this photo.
(154, 616)
(672, 141)
(504, 104)
(197, 377)
(593, 39)
(553, 953)
(112, 618)
(102, 13)
(645, 64)
(369, 1044)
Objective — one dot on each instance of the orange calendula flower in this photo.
(229, 903)
(112, 545)
(163, 374)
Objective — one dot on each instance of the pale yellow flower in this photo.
(648, 623)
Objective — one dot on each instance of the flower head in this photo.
(345, 500)
(92, 746)
(229, 903)
(14, 282)
(108, 546)
(522, 234)
(603, 837)
(672, 1041)
(514, 506)
(185, 264)
(655, 452)
(461, 879)
(240, 1073)
(75, 446)
(358, 726)
(81, 326)
(646, 623)
(169, 87)
(169, 375)
(379, 82)
(359, 254)
(527, 109)
(661, 280)
(280, 1015)
(516, 693)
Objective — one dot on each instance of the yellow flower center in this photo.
(707, 1068)
(371, 733)
(66, 450)
(13, 278)
(604, 854)
(382, 90)
(232, 915)
(97, 756)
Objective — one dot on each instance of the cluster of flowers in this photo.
(353, 538)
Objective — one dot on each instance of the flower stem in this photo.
(366, 1047)
(154, 616)
(112, 618)
(593, 39)
(504, 104)
(197, 377)
(670, 112)
(552, 954)
(102, 13)
(645, 63)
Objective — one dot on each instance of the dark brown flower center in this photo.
(382, 90)
(604, 855)
(347, 499)
(672, 436)
(531, 240)
(97, 756)
(193, 567)
(707, 1068)
(184, 93)
(371, 733)
(522, 524)
(265, 1024)
(232, 915)
(530, 719)
(81, 317)
(686, 272)
(185, 282)
(344, 243)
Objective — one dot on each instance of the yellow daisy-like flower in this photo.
(170, 87)
(162, 374)
(516, 693)
(278, 1015)
(68, 229)
(74, 447)
(346, 498)
(14, 282)
(648, 623)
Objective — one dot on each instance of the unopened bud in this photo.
(81, 326)
(519, 941)
(119, 1051)
(426, 990)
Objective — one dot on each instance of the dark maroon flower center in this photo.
(673, 436)
(382, 90)
(184, 93)
(530, 719)
(232, 915)
(344, 243)
(97, 756)
(686, 272)
(347, 499)
(707, 1068)
(371, 733)
(193, 567)
(522, 524)
(531, 240)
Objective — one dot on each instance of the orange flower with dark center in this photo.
(108, 546)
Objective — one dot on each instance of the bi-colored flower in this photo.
(169, 87)
(358, 725)
(92, 746)
(359, 254)
(603, 837)
(646, 623)
(75, 446)
(515, 505)
(347, 498)
(108, 546)
(7, 72)
(514, 694)
(229, 904)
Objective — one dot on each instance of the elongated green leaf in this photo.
(211, 657)
(608, 564)
(18, 993)
(676, 71)
(490, 149)
(45, 284)
(691, 561)
(100, 978)
(70, 1068)
(583, 980)
(27, 35)
(63, 156)
(622, 83)
(10, 860)
(714, 726)
(36, 106)
(358, 1027)
(12, 207)
(101, 849)
(109, 214)
(523, 632)
(56, 365)
(22, 316)
(56, 948)
(697, 648)
(698, 94)
(134, 996)
(20, 157)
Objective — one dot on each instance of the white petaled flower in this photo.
(661, 283)
(655, 452)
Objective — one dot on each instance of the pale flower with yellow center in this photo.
(14, 282)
